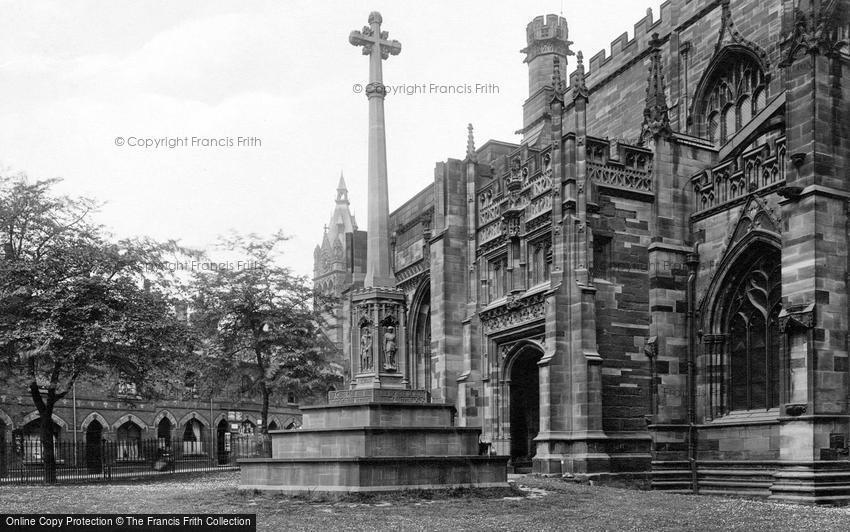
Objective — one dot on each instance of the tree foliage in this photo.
(254, 313)
(73, 303)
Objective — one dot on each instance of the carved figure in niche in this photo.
(365, 349)
(390, 348)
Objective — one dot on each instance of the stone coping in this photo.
(380, 429)
(384, 459)
(379, 404)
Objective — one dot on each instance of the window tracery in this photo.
(735, 91)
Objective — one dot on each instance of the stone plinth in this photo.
(374, 446)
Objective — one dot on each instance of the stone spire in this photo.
(470, 144)
(341, 190)
(377, 46)
(579, 83)
(656, 121)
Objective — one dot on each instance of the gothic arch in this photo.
(511, 357)
(276, 420)
(7, 421)
(164, 414)
(34, 415)
(193, 415)
(741, 345)
(753, 62)
(291, 422)
(521, 393)
(419, 318)
(218, 419)
(129, 417)
(92, 417)
(746, 244)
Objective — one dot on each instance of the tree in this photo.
(254, 311)
(74, 304)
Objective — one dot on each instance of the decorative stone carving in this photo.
(656, 120)
(620, 177)
(816, 32)
(761, 169)
(651, 347)
(390, 349)
(522, 311)
(365, 348)
(797, 317)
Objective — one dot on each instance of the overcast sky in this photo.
(76, 75)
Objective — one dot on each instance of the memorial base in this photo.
(367, 443)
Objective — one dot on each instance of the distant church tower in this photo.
(338, 262)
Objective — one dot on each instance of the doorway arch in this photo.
(523, 380)
(420, 338)
(94, 449)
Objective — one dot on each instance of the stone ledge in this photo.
(388, 404)
(302, 490)
(382, 459)
(380, 429)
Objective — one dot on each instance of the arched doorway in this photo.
(33, 451)
(193, 438)
(524, 405)
(163, 432)
(94, 447)
(420, 339)
(129, 436)
(222, 441)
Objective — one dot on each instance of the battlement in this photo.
(624, 50)
(552, 26)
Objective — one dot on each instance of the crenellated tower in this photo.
(547, 42)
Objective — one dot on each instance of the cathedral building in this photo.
(655, 278)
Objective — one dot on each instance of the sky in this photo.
(84, 86)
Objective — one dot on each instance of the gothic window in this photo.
(714, 127)
(729, 123)
(538, 260)
(193, 438)
(129, 436)
(745, 110)
(497, 278)
(752, 334)
(733, 90)
(759, 100)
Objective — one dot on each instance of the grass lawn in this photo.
(547, 504)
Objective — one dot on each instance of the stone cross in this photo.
(376, 45)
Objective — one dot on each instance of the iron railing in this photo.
(99, 461)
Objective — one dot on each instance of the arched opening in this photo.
(735, 74)
(129, 436)
(222, 441)
(751, 325)
(94, 447)
(31, 433)
(273, 425)
(247, 427)
(420, 344)
(193, 438)
(163, 433)
(524, 406)
(744, 319)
